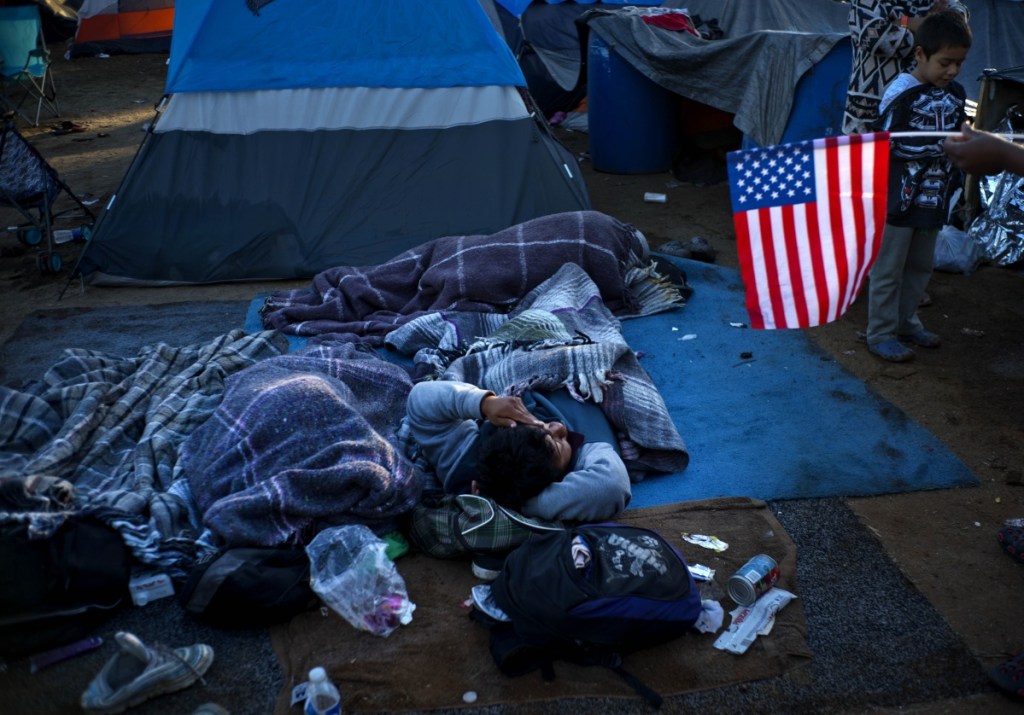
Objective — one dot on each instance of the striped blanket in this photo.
(487, 274)
(302, 442)
(560, 335)
(111, 428)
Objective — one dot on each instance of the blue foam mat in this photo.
(788, 422)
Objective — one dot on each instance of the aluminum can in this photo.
(753, 579)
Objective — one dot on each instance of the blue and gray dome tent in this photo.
(304, 134)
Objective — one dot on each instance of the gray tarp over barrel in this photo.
(752, 72)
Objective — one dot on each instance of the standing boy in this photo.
(921, 179)
(882, 33)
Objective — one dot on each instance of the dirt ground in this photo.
(968, 392)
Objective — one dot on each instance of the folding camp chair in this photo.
(30, 185)
(25, 62)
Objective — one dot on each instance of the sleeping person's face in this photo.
(558, 444)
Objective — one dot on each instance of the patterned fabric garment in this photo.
(881, 50)
(922, 178)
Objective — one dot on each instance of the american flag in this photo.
(809, 219)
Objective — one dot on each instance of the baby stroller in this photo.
(30, 185)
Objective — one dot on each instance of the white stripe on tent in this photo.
(339, 108)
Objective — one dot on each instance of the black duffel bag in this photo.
(57, 588)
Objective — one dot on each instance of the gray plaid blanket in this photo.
(112, 426)
(302, 442)
(561, 335)
(475, 273)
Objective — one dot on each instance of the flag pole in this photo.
(1011, 137)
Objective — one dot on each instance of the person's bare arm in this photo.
(979, 152)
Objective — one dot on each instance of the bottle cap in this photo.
(317, 674)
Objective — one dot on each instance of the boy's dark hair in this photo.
(943, 29)
(515, 464)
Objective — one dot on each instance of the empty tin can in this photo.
(753, 579)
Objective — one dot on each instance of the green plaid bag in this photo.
(447, 526)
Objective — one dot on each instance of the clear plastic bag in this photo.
(351, 573)
(957, 252)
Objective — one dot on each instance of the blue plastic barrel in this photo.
(819, 99)
(633, 121)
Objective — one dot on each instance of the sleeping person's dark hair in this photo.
(515, 464)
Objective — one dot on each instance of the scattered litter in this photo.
(972, 332)
(1016, 521)
(654, 198)
(67, 127)
(752, 621)
(675, 330)
(57, 655)
(90, 202)
(737, 325)
(746, 355)
(103, 56)
(140, 101)
(705, 541)
(696, 248)
(689, 336)
(977, 523)
(469, 696)
(701, 572)
(711, 616)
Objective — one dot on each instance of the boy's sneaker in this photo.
(892, 350)
(137, 673)
(923, 339)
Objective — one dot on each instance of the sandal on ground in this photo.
(1011, 538)
(1009, 676)
(892, 350)
(923, 339)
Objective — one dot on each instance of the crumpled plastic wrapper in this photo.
(999, 229)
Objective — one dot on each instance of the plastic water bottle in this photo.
(322, 698)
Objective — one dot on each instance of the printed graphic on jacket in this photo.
(921, 177)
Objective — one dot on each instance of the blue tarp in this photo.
(220, 45)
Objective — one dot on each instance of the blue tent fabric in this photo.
(317, 133)
(220, 45)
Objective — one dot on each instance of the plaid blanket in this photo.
(111, 427)
(561, 335)
(475, 273)
(302, 442)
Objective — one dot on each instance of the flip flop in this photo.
(68, 127)
(1011, 538)
(1009, 675)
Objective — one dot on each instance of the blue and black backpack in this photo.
(589, 595)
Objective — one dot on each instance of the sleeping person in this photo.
(545, 454)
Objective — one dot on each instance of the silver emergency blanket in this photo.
(1000, 227)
